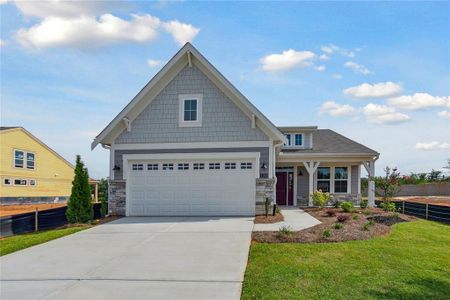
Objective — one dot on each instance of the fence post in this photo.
(36, 222)
(426, 211)
(403, 206)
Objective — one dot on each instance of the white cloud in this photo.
(444, 114)
(382, 114)
(432, 146)
(419, 101)
(324, 57)
(181, 32)
(337, 76)
(334, 109)
(287, 60)
(357, 68)
(331, 49)
(88, 32)
(377, 90)
(65, 9)
(152, 63)
(2, 42)
(320, 68)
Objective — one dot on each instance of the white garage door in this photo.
(213, 187)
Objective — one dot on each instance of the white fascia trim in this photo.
(303, 155)
(200, 145)
(181, 99)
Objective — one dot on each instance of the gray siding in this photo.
(222, 120)
(354, 179)
(118, 161)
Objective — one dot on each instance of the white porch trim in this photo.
(311, 167)
(370, 168)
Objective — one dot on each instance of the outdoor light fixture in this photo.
(300, 173)
(116, 168)
(264, 165)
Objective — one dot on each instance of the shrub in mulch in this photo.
(342, 218)
(262, 219)
(330, 212)
(354, 228)
(387, 220)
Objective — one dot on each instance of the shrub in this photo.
(327, 233)
(266, 206)
(347, 206)
(285, 231)
(277, 209)
(342, 218)
(396, 215)
(366, 227)
(356, 217)
(320, 198)
(79, 208)
(330, 212)
(366, 212)
(338, 225)
(364, 203)
(388, 206)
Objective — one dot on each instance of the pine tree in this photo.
(79, 208)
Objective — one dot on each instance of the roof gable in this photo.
(187, 55)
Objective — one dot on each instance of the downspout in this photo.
(275, 146)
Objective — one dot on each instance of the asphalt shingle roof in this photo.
(329, 141)
(7, 127)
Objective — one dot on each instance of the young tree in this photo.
(103, 196)
(389, 184)
(79, 208)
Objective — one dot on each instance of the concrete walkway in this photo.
(135, 258)
(294, 218)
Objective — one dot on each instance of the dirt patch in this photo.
(360, 225)
(387, 220)
(269, 219)
(436, 200)
(9, 210)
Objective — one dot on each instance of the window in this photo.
(246, 165)
(323, 179)
(20, 182)
(6, 181)
(340, 179)
(32, 182)
(298, 139)
(190, 110)
(230, 166)
(18, 158)
(214, 166)
(30, 161)
(199, 166)
(166, 167)
(183, 166)
(288, 137)
(137, 167)
(152, 167)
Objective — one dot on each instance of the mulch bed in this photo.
(269, 219)
(353, 227)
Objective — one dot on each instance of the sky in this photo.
(376, 72)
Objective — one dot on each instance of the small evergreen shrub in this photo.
(79, 207)
(327, 233)
(338, 226)
(347, 206)
(388, 206)
(367, 225)
(342, 218)
(366, 212)
(364, 203)
(285, 231)
(266, 206)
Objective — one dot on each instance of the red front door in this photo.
(284, 188)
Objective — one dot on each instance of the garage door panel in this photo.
(207, 192)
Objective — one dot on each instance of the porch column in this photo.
(370, 168)
(311, 167)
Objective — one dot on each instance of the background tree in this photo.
(389, 185)
(103, 196)
(79, 208)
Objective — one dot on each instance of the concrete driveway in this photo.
(135, 258)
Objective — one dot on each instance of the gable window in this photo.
(23, 159)
(288, 137)
(340, 179)
(294, 139)
(323, 179)
(298, 141)
(18, 158)
(190, 110)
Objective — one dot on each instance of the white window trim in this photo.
(292, 140)
(332, 180)
(181, 99)
(25, 155)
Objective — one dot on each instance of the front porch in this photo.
(298, 178)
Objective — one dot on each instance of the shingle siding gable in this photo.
(222, 119)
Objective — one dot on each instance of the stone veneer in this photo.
(264, 188)
(117, 200)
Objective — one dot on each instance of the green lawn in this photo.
(413, 262)
(22, 241)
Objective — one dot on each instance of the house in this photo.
(190, 144)
(30, 171)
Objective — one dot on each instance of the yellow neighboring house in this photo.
(30, 171)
